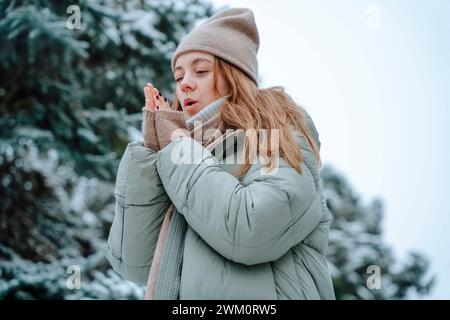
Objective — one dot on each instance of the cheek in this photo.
(209, 88)
(222, 86)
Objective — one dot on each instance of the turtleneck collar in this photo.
(206, 125)
(207, 113)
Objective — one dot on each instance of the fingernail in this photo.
(159, 93)
(157, 107)
(165, 99)
(157, 97)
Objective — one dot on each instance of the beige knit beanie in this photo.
(230, 34)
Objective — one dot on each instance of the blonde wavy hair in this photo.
(250, 107)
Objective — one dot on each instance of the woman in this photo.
(193, 222)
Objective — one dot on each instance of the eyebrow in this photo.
(195, 61)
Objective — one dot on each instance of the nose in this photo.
(187, 84)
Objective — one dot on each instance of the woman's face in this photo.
(194, 75)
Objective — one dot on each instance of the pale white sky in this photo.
(375, 76)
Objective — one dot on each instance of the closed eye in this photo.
(198, 72)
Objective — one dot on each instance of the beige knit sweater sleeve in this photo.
(159, 125)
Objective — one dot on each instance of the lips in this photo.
(190, 106)
(189, 102)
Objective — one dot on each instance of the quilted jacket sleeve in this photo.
(249, 222)
(141, 203)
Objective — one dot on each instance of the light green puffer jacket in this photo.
(264, 237)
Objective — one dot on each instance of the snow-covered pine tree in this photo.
(70, 101)
(357, 251)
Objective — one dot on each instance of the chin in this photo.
(193, 111)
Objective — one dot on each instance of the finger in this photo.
(147, 94)
(156, 96)
(156, 92)
(151, 87)
(150, 95)
(148, 98)
(165, 102)
(161, 100)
